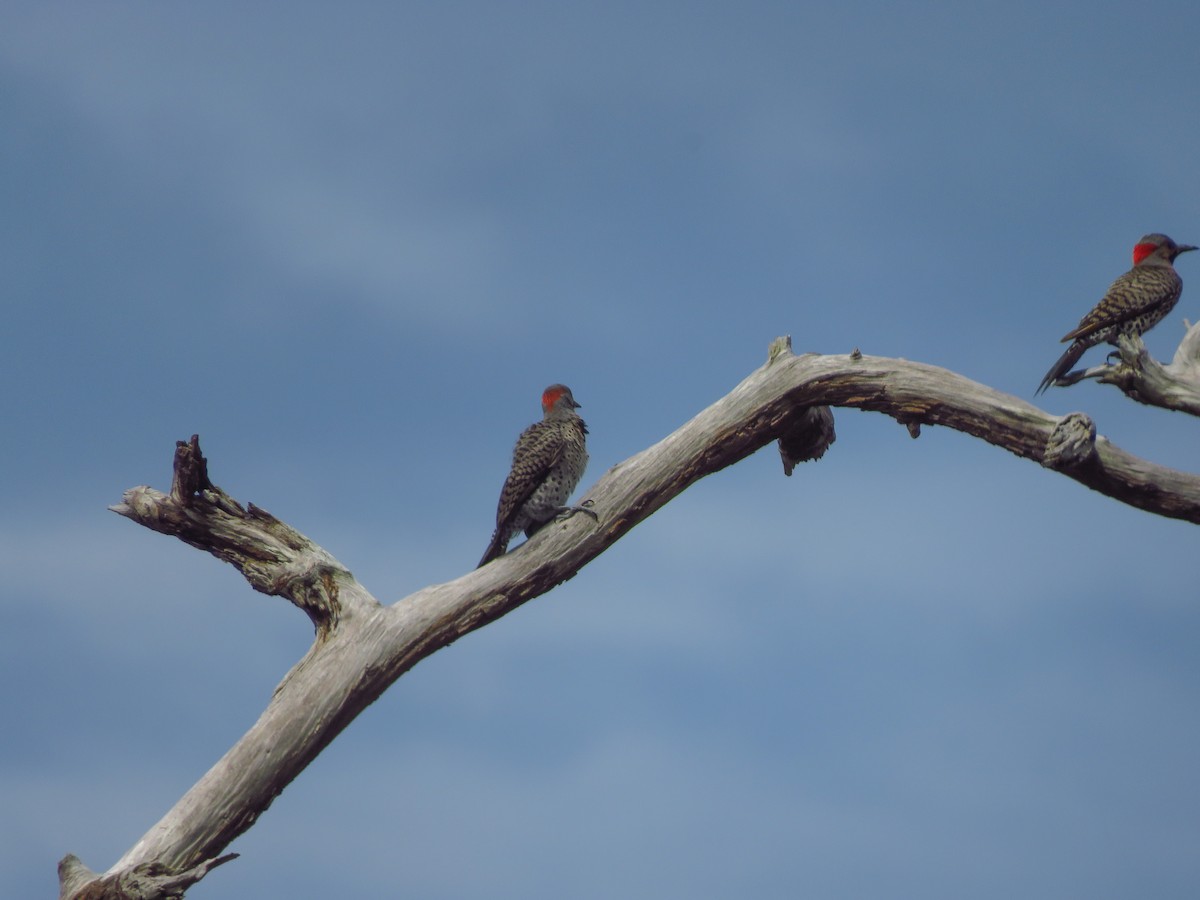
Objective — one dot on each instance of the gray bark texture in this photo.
(1175, 386)
(362, 646)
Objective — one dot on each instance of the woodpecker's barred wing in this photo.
(1137, 291)
(539, 449)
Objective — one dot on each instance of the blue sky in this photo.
(350, 247)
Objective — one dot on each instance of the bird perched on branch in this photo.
(1134, 303)
(547, 463)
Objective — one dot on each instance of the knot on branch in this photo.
(309, 583)
(912, 415)
(1072, 443)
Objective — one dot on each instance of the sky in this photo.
(350, 246)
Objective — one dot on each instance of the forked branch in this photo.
(1142, 378)
(274, 557)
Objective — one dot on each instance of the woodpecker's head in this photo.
(557, 396)
(1157, 250)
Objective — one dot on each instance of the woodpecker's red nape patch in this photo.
(550, 397)
(1141, 251)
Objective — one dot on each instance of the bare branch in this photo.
(274, 557)
(1144, 379)
(363, 647)
(145, 882)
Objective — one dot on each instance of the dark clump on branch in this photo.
(190, 472)
(807, 438)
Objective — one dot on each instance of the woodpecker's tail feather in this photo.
(495, 549)
(1063, 366)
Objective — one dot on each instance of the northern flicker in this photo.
(547, 463)
(1134, 303)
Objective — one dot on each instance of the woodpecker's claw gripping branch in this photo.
(566, 512)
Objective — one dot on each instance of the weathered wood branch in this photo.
(146, 880)
(1144, 379)
(274, 557)
(362, 647)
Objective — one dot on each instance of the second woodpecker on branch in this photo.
(547, 463)
(1135, 303)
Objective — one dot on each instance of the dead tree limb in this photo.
(1142, 378)
(362, 647)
